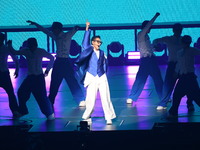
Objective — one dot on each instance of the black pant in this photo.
(170, 80)
(34, 84)
(187, 85)
(63, 69)
(6, 84)
(148, 67)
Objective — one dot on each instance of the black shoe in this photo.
(17, 115)
(190, 108)
(172, 115)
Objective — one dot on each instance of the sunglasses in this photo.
(99, 42)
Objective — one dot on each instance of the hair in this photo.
(24, 44)
(186, 39)
(177, 26)
(145, 23)
(2, 36)
(57, 25)
(31, 42)
(94, 37)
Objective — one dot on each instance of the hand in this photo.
(87, 23)
(157, 14)
(76, 27)
(9, 43)
(30, 22)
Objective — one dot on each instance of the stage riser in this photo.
(167, 136)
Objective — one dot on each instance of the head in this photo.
(145, 23)
(32, 44)
(177, 29)
(186, 40)
(2, 38)
(96, 42)
(24, 45)
(56, 28)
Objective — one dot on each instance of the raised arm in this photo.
(149, 24)
(12, 50)
(86, 39)
(41, 28)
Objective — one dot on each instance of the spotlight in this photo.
(83, 126)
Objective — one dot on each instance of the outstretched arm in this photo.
(73, 31)
(196, 51)
(41, 28)
(86, 39)
(161, 40)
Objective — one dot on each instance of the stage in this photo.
(137, 126)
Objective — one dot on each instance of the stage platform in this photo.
(137, 126)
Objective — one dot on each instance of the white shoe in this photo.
(89, 120)
(129, 101)
(82, 104)
(51, 117)
(161, 108)
(109, 122)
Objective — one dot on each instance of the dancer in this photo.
(5, 80)
(174, 45)
(187, 81)
(62, 68)
(148, 64)
(93, 62)
(34, 82)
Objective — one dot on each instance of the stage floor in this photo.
(139, 125)
(141, 115)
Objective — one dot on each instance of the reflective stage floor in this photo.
(138, 124)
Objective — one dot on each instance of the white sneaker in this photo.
(82, 104)
(129, 101)
(161, 108)
(109, 122)
(51, 117)
(89, 120)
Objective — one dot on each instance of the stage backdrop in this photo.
(16, 12)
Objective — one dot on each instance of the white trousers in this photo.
(93, 85)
